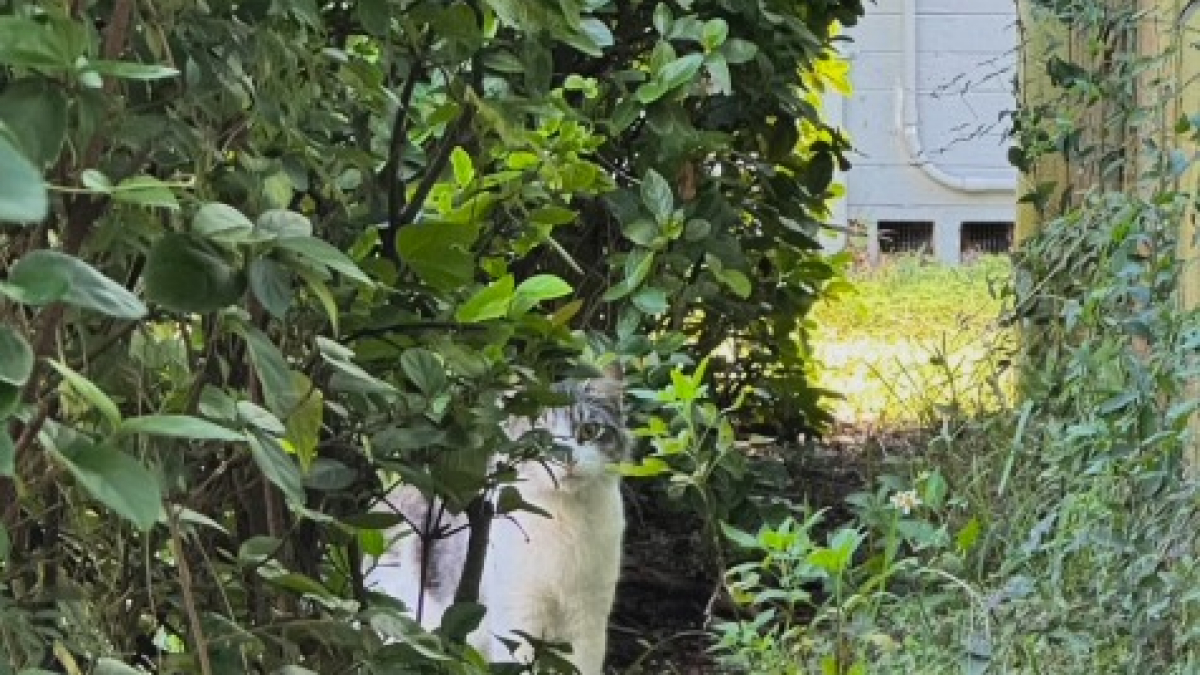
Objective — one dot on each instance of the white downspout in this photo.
(834, 239)
(908, 121)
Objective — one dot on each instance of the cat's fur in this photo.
(551, 577)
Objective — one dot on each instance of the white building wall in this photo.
(932, 80)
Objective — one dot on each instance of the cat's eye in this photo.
(591, 432)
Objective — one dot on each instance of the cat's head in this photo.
(588, 434)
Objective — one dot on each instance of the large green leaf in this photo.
(127, 70)
(424, 369)
(490, 302)
(221, 222)
(89, 392)
(439, 252)
(22, 193)
(275, 464)
(271, 284)
(536, 289)
(34, 44)
(325, 254)
(303, 429)
(35, 113)
(186, 274)
(16, 357)
(44, 276)
(657, 196)
(272, 370)
(116, 480)
(145, 191)
(179, 426)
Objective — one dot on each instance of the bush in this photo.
(259, 253)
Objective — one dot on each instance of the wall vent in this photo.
(905, 236)
(988, 236)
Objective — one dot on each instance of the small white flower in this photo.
(905, 501)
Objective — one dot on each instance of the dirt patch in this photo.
(657, 625)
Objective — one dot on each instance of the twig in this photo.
(396, 185)
(189, 598)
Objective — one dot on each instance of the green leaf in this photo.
(127, 70)
(22, 193)
(597, 32)
(254, 415)
(662, 19)
(374, 16)
(329, 475)
(145, 191)
(637, 267)
(281, 223)
(535, 289)
(35, 113)
(44, 276)
(647, 468)
(464, 169)
(341, 359)
(657, 196)
(321, 252)
(740, 537)
(738, 51)
(714, 33)
(109, 666)
(424, 369)
(737, 282)
(89, 392)
(184, 273)
(272, 371)
(652, 301)
(643, 232)
(303, 426)
(116, 480)
(460, 619)
(96, 181)
(10, 398)
(968, 535)
(271, 284)
(8, 454)
(32, 44)
(16, 357)
(275, 464)
(179, 426)
(718, 74)
(681, 71)
(221, 222)
(439, 253)
(490, 302)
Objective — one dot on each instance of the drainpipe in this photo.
(908, 121)
(834, 240)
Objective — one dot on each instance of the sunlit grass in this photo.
(914, 341)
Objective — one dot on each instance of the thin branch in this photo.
(395, 166)
(199, 644)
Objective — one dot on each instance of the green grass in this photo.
(914, 341)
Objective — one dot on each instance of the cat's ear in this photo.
(613, 371)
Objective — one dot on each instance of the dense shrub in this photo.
(254, 251)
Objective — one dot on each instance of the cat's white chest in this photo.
(555, 577)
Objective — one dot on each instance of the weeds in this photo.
(914, 342)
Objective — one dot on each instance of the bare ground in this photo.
(663, 600)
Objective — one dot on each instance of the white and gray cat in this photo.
(550, 577)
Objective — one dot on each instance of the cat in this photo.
(551, 576)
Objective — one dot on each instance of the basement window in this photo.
(988, 236)
(905, 236)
